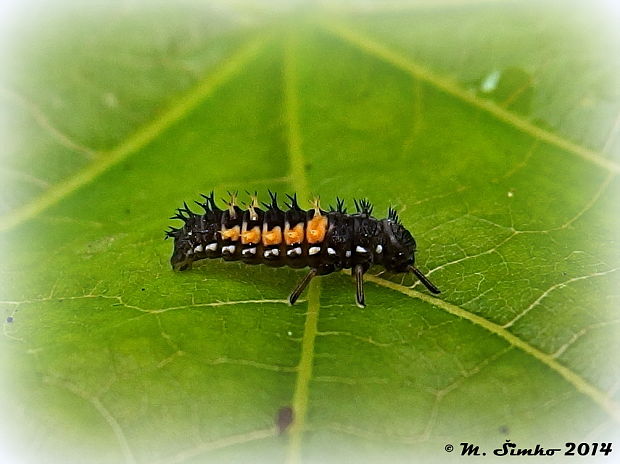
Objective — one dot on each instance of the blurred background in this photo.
(492, 126)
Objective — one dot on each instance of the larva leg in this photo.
(359, 284)
(427, 283)
(301, 286)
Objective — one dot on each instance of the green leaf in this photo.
(491, 127)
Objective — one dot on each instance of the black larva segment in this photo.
(325, 241)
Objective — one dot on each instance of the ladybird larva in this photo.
(325, 241)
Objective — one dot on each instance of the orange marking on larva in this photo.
(230, 234)
(317, 228)
(251, 236)
(294, 235)
(273, 236)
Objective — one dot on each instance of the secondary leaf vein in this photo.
(139, 139)
(450, 87)
(582, 385)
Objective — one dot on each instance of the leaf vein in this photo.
(102, 410)
(225, 442)
(232, 66)
(605, 402)
(551, 289)
(560, 351)
(299, 180)
(44, 122)
(380, 51)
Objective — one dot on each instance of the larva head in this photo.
(183, 253)
(182, 256)
(399, 247)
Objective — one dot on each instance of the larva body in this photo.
(325, 241)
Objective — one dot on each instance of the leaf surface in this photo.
(112, 355)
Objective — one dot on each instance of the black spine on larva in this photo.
(363, 207)
(340, 208)
(393, 215)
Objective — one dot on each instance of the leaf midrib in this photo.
(300, 182)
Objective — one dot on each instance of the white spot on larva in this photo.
(359, 249)
(229, 249)
(211, 247)
(198, 249)
(190, 233)
(331, 251)
(379, 249)
(190, 252)
(314, 250)
(347, 253)
(249, 251)
(273, 252)
(294, 251)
